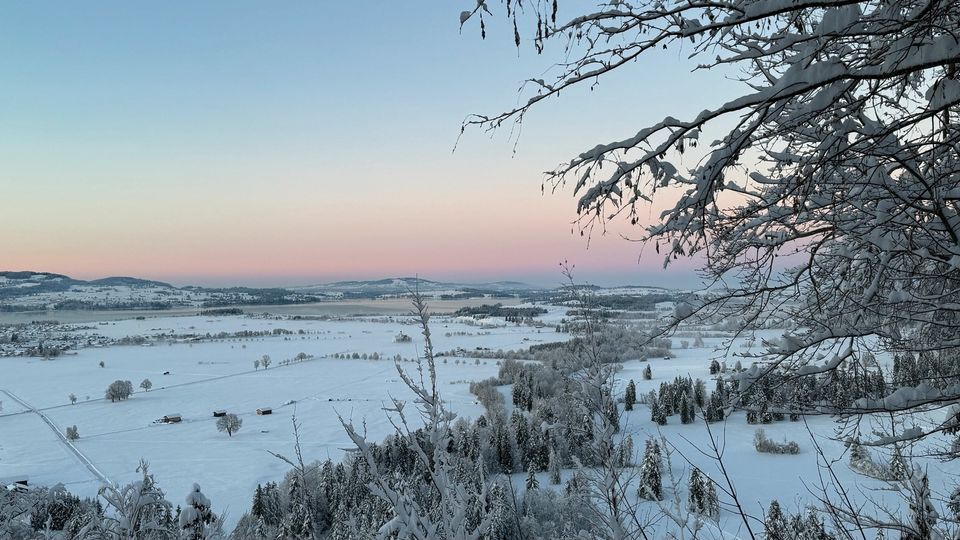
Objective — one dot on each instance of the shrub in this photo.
(765, 445)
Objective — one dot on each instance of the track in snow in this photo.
(63, 439)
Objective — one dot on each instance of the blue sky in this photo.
(221, 142)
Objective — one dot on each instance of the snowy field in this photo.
(220, 375)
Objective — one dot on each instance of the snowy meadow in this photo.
(219, 374)
(321, 369)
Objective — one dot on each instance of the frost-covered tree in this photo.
(554, 468)
(651, 483)
(647, 373)
(711, 503)
(630, 396)
(230, 423)
(72, 433)
(298, 522)
(146, 385)
(625, 453)
(136, 510)
(696, 492)
(714, 367)
(657, 413)
(686, 410)
(265, 361)
(775, 523)
(119, 390)
(898, 469)
(844, 147)
(197, 520)
(73, 399)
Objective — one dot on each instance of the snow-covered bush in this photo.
(136, 510)
(765, 445)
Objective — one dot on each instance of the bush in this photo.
(765, 445)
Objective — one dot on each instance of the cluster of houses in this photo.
(46, 338)
(176, 418)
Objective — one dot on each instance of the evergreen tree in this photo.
(657, 414)
(647, 373)
(764, 413)
(858, 454)
(711, 502)
(710, 413)
(554, 468)
(665, 399)
(898, 466)
(613, 416)
(651, 486)
(501, 527)
(699, 393)
(272, 508)
(258, 508)
(260, 529)
(532, 482)
(685, 410)
(630, 396)
(504, 450)
(696, 493)
(298, 521)
(775, 524)
(196, 519)
(626, 452)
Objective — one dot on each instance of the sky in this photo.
(281, 143)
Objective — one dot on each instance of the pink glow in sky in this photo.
(225, 142)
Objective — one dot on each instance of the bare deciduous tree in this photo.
(229, 423)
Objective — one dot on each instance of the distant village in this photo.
(48, 339)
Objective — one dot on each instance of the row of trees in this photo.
(119, 390)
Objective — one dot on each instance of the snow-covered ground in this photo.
(220, 375)
(795, 480)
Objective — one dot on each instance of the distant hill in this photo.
(33, 291)
(30, 291)
(402, 286)
(129, 282)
